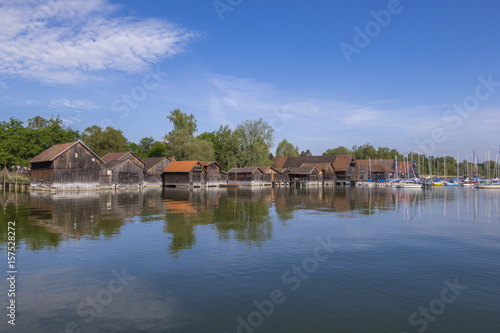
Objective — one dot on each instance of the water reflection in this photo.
(245, 215)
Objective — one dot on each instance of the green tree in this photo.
(364, 152)
(135, 148)
(14, 144)
(307, 153)
(104, 141)
(225, 145)
(340, 150)
(18, 144)
(286, 149)
(255, 138)
(185, 147)
(182, 143)
(145, 144)
(158, 149)
(181, 120)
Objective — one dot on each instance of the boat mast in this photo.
(444, 167)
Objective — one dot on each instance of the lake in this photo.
(317, 259)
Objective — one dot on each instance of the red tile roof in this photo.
(181, 166)
(376, 165)
(341, 162)
(278, 162)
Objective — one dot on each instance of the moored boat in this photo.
(409, 185)
(488, 185)
(437, 182)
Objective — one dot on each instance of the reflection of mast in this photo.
(235, 174)
(235, 200)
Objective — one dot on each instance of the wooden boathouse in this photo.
(67, 166)
(128, 155)
(247, 176)
(153, 169)
(305, 176)
(270, 175)
(213, 176)
(344, 166)
(326, 172)
(184, 174)
(377, 169)
(121, 174)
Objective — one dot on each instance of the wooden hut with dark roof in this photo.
(67, 166)
(121, 174)
(284, 176)
(153, 169)
(326, 172)
(344, 166)
(128, 155)
(305, 176)
(247, 176)
(184, 174)
(270, 175)
(213, 176)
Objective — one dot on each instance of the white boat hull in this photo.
(489, 186)
(409, 186)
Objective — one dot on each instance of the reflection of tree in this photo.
(245, 216)
(44, 220)
(248, 221)
(15, 207)
(182, 230)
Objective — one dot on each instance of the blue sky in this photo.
(416, 75)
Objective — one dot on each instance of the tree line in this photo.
(249, 144)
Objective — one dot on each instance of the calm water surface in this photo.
(330, 259)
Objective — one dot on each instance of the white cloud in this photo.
(3, 85)
(321, 122)
(75, 104)
(70, 121)
(60, 41)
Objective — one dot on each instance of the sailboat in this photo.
(437, 181)
(413, 181)
(489, 185)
